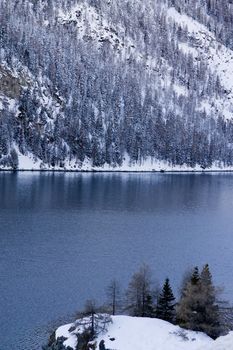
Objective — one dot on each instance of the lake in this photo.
(64, 236)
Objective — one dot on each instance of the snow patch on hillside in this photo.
(27, 162)
(7, 103)
(92, 26)
(180, 90)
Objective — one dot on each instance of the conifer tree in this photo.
(166, 303)
(197, 309)
(187, 307)
(210, 316)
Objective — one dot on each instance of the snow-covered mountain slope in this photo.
(109, 85)
(205, 47)
(132, 333)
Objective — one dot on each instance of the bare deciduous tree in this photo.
(138, 291)
(113, 295)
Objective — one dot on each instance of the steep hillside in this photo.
(116, 85)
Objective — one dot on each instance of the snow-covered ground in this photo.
(28, 162)
(132, 333)
(222, 343)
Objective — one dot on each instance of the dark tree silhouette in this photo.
(166, 303)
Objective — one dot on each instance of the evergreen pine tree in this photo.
(166, 303)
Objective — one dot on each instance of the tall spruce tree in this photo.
(166, 303)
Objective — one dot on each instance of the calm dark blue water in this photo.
(64, 236)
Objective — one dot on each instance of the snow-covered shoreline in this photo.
(28, 163)
(113, 171)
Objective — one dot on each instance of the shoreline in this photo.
(80, 171)
(28, 163)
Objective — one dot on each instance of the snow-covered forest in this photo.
(103, 81)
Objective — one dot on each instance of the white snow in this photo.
(131, 333)
(180, 90)
(134, 333)
(27, 162)
(63, 331)
(222, 343)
